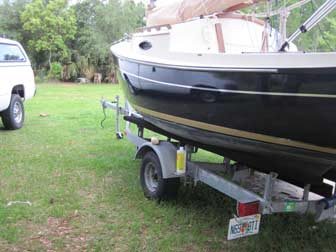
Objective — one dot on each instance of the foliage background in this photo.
(78, 36)
(321, 38)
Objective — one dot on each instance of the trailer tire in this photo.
(152, 182)
(13, 116)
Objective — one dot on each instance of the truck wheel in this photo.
(153, 185)
(13, 116)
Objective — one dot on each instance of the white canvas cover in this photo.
(177, 11)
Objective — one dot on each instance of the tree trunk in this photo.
(49, 60)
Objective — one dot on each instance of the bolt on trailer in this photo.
(165, 163)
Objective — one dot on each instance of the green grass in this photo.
(85, 193)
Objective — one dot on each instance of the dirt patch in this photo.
(5, 246)
(59, 234)
(87, 194)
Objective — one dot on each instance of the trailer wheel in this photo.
(13, 116)
(153, 185)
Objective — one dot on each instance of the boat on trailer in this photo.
(225, 82)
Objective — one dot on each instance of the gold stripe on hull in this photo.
(235, 132)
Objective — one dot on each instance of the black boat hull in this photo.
(279, 121)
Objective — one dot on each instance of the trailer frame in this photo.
(239, 182)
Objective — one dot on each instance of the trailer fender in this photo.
(166, 153)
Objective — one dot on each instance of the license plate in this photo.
(244, 226)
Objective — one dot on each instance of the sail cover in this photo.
(177, 11)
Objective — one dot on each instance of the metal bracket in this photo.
(306, 191)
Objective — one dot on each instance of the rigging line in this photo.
(289, 8)
(267, 32)
(250, 35)
(276, 37)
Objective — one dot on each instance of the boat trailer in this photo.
(256, 193)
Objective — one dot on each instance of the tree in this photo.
(115, 19)
(328, 41)
(51, 23)
(88, 41)
(99, 25)
(10, 22)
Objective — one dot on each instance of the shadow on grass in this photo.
(209, 212)
(278, 232)
(206, 211)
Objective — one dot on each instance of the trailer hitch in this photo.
(115, 105)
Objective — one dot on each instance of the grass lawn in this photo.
(85, 192)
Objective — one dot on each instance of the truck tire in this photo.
(13, 116)
(152, 182)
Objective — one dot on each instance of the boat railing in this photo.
(156, 27)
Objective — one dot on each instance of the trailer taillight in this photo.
(246, 209)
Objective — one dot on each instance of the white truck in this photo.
(16, 83)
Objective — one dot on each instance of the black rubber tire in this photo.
(166, 188)
(8, 116)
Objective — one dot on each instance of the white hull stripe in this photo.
(231, 91)
(200, 68)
